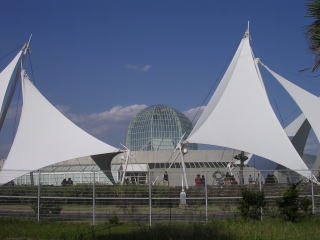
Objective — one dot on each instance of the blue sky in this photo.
(101, 62)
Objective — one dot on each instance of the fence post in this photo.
(94, 199)
(38, 198)
(150, 199)
(260, 189)
(312, 198)
(206, 194)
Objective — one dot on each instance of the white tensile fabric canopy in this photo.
(307, 102)
(295, 125)
(239, 115)
(7, 76)
(298, 131)
(45, 136)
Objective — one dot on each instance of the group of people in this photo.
(66, 182)
(200, 181)
(130, 180)
(229, 179)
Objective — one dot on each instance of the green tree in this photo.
(313, 30)
(251, 204)
(291, 206)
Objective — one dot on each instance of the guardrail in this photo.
(97, 201)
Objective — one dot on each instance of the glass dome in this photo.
(158, 127)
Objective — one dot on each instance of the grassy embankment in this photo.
(235, 229)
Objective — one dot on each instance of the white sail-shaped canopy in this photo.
(298, 131)
(239, 115)
(293, 128)
(8, 77)
(308, 103)
(45, 136)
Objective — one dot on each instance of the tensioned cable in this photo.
(15, 124)
(32, 72)
(274, 100)
(278, 110)
(19, 89)
(214, 85)
(282, 119)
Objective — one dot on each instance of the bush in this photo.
(290, 204)
(251, 204)
(47, 208)
(305, 206)
(114, 220)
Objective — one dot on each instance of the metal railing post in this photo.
(312, 198)
(38, 198)
(94, 199)
(206, 194)
(150, 199)
(260, 189)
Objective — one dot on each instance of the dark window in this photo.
(206, 164)
(211, 165)
(197, 164)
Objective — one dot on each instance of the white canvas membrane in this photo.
(307, 102)
(239, 116)
(297, 131)
(45, 136)
(295, 125)
(6, 77)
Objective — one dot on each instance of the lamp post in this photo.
(242, 158)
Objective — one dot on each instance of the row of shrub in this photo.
(291, 206)
(85, 190)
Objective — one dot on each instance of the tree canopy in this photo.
(313, 30)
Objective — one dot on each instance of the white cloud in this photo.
(109, 125)
(139, 67)
(194, 113)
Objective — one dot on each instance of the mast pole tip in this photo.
(27, 45)
(247, 33)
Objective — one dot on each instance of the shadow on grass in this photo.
(230, 229)
(171, 231)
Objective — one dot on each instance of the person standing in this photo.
(166, 178)
(197, 180)
(203, 180)
(64, 182)
(250, 180)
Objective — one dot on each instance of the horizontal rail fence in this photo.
(154, 198)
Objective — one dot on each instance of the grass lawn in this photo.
(234, 229)
(113, 209)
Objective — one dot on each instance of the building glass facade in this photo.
(54, 175)
(158, 127)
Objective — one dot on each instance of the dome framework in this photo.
(158, 127)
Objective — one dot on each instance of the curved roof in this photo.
(157, 127)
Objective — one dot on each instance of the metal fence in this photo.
(149, 199)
